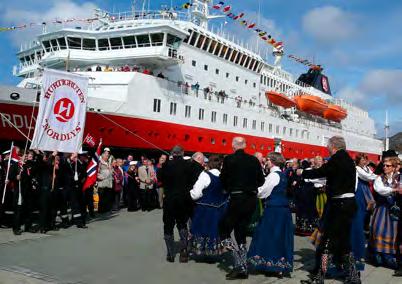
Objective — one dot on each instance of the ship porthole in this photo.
(213, 141)
(14, 96)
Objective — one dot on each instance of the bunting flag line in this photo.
(241, 15)
(219, 5)
(227, 9)
(186, 5)
(252, 25)
(303, 61)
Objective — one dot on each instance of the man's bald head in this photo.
(238, 143)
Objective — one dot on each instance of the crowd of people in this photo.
(350, 209)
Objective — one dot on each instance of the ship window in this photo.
(254, 126)
(237, 78)
(224, 142)
(284, 130)
(46, 44)
(200, 41)
(188, 37)
(217, 71)
(262, 126)
(218, 48)
(157, 105)
(143, 40)
(245, 82)
(173, 107)
(53, 42)
(228, 54)
(116, 43)
(206, 67)
(244, 122)
(213, 116)
(270, 127)
(194, 63)
(223, 52)
(213, 141)
(212, 47)
(188, 111)
(238, 58)
(255, 85)
(225, 118)
(243, 59)
(247, 61)
(103, 44)
(157, 39)
(206, 43)
(193, 38)
(297, 133)
(74, 42)
(235, 121)
(252, 64)
(277, 129)
(201, 114)
(290, 132)
(88, 44)
(227, 75)
(62, 43)
(234, 54)
(262, 79)
(129, 42)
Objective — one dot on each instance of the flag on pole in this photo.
(13, 155)
(62, 110)
(90, 140)
(219, 5)
(92, 168)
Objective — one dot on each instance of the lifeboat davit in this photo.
(311, 104)
(280, 99)
(335, 113)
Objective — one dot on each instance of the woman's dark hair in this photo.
(359, 157)
(214, 162)
(277, 159)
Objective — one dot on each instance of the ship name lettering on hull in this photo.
(19, 121)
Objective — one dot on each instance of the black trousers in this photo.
(238, 217)
(29, 197)
(133, 196)
(45, 209)
(175, 212)
(77, 205)
(147, 198)
(11, 204)
(89, 201)
(60, 202)
(337, 224)
(105, 199)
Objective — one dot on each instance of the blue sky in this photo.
(357, 41)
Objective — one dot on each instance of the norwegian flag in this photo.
(219, 5)
(14, 155)
(227, 9)
(90, 140)
(92, 169)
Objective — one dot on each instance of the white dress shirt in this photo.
(271, 181)
(365, 173)
(203, 182)
(381, 188)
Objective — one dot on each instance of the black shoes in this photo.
(17, 232)
(398, 273)
(183, 256)
(236, 274)
(170, 258)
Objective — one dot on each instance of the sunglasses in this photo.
(387, 166)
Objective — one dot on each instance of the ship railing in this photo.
(162, 14)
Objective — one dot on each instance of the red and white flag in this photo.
(62, 110)
(218, 6)
(90, 140)
(92, 168)
(227, 9)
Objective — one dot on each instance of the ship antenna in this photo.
(386, 130)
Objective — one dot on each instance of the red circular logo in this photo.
(324, 84)
(64, 110)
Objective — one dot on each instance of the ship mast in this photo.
(200, 13)
(386, 130)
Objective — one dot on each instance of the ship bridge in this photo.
(149, 44)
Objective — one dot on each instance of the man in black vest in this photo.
(340, 172)
(175, 175)
(241, 176)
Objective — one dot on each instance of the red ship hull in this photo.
(137, 133)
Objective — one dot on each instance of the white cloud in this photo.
(57, 10)
(329, 24)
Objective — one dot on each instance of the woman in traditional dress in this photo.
(271, 248)
(384, 224)
(365, 201)
(211, 201)
(133, 189)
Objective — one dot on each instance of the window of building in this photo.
(157, 105)
(213, 116)
(194, 63)
(173, 107)
(88, 44)
(188, 111)
(235, 118)
(244, 122)
(116, 43)
(206, 67)
(143, 41)
(262, 126)
(217, 71)
(103, 44)
(201, 114)
(225, 118)
(74, 42)
(254, 126)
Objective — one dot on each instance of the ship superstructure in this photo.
(166, 78)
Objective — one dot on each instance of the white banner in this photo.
(62, 110)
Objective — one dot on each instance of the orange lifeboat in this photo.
(280, 99)
(311, 104)
(335, 113)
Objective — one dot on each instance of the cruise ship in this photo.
(161, 78)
